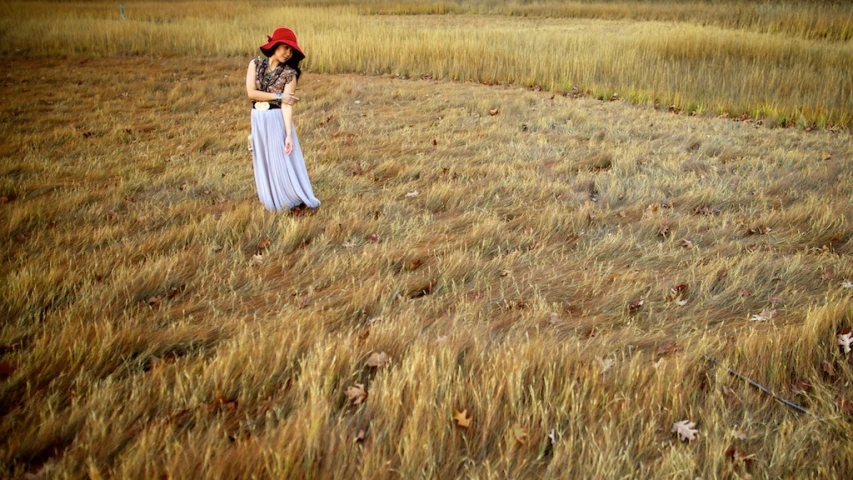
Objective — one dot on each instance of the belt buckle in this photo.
(262, 106)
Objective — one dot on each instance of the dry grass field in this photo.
(786, 64)
(501, 282)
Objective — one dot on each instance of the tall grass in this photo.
(777, 71)
(141, 338)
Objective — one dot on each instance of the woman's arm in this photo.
(261, 96)
(254, 94)
(287, 114)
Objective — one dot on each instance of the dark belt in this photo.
(273, 106)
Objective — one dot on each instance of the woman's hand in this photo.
(288, 145)
(288, 98)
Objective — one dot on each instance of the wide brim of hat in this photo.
(269, 48)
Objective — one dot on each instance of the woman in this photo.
(280, 173)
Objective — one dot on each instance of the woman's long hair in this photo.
(294, 64)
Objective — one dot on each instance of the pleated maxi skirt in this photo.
(282, 179)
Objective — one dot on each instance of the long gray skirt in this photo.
(282, 179)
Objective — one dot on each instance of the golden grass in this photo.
(788, 65)
(146, 342)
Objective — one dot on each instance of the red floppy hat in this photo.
(285, 36)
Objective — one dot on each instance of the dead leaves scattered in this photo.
(845, 339)
(634, 306)
(462, 418)
(663, 350)
(802, 387)
(378, 360)
(7, 369)
(519, 433)
(738, 455)
(758, 230)
(678, 294)
(765, 315)
(414, 264)
(356, 394)
(685, 430)
(555, 318)
(845, 407)
(154, 301)
(706, 210)
(605, 364)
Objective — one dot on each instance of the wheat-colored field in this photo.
(786, 64)
(500, 283)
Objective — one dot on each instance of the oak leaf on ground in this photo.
(635, 305)
(802, 386)
(462, 418)
(766, 314)
(519, 433)
(7, 369)
(378, 360)
(685, 430)
(606, 364)
(844, 341)
(738, 455)
(356, 394)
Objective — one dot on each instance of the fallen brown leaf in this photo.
(685, 430)
(844, 341)
(665, 348)
(7, 369)
(462, 418)
(378, 360)
(356, 394)
(845, 406)
(264, 243)
(154, 301)
(635, 305)
(414, 264)
(738, 455)
(829, 369)
(766, 314)
(519, 433)
(677, 292)
(802, 386)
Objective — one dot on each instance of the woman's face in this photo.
(282, 53)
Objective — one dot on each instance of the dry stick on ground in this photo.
(762, 388)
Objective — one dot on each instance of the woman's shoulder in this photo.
(289, 73)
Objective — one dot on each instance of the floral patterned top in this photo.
(272, 81)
